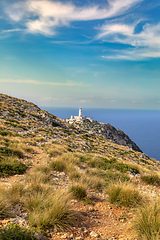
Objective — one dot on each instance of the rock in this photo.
(94, 234)
(84, 229)
(144, 156)
(5, 222)
(118, 136)
(66, 236)
(91, 209)
(40, 236)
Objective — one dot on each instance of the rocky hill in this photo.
(60, 181)
(26, 118)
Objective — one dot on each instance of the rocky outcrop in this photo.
(118, 136)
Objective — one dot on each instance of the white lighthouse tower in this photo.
(80, 112)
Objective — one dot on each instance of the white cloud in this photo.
(50, 99)
(136, 101)
(11, 30)
(35, 82)
(44, 16)
(145, 44)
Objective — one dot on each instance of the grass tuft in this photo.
(78, 191)
(4, 203)
(124, 194)
(58, 165)
(152, 179)
(49, 209)
(147, 221)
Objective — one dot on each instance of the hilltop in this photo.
(27, 118)
(81, 181)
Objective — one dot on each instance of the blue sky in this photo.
(71, 53)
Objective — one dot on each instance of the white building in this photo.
(79, 119)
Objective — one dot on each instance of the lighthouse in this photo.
(80, 112)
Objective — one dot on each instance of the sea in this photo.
(142, 126)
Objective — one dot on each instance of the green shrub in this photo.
(147, 221)
(111, 176)
(9, 152)
(123, 194)
(15, 232)
(9, 167)
(152, 179)
(78, 191)
(121, 167)
(5, 133)
(110, 164)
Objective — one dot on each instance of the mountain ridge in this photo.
(34, 118)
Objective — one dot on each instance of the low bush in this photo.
(147, 221)
(121, 167)
(110, 164)
(78, 191)
(5, 133)
(152, 179)
(124, 194)
(15, 232)
(10, 152)
(111, 176)
(9, 167)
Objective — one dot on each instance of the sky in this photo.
(88, 53)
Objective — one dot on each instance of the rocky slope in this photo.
(25, 117)
(41, 155)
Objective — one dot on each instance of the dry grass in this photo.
(38, 174)
(4, 203)
(147, 221)
(15, 193)
(79, 191)
(124, 194)
(54, 150)
(49, 208)
(93, 182)
(59, 165)
(152, 178)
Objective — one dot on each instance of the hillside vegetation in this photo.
(59, 181)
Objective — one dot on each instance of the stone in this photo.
(65, 236)
(40, 236)
(144, 156)
(94, 234)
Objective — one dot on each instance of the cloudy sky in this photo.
(89, 53)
